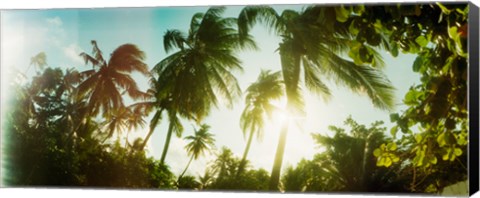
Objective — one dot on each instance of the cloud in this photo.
(56, 21)
(72, 51)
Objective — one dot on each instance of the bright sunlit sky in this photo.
(64, 33)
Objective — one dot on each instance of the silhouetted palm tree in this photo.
(200, 142)
(199, 74)
(260, 94)
(225, 165)
(158, 103)
(121, 119)
(311, 45)
(39, 61)
(206, 180)
(108, 80)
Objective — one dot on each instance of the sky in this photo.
(64, 33)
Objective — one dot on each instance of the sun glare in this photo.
(280, 114)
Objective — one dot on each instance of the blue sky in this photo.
(63, 34)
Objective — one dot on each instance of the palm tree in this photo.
(124, 118)
(39, 61)
(310, 44)
(199, 143)
(199, 75)
(258, 107)
(158, 103)
(206, 180)
(107, 81)
(223, 167)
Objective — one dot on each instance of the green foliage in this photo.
(332, 170)
(199, 75)
(46, 146)
(188, 182)
(434, 125)
(313, 43)
(54, 136)
(258, 107)
(224, 174)
(385, 154)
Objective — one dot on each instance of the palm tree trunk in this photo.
(277, 164)
(245, 153)
(181, 175)
(153, 124)
(290, 62)
(167, 142)
(150, 132)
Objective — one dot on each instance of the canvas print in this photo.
(357, 98)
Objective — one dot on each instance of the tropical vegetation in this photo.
(64, 127)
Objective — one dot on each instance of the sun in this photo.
(279, 114)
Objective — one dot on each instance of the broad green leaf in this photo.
(394, 117)
(441, 140)
(394, 131)
(377, 152)
(383, 147)
(395, 158)
(388, 162)
(418, 138)
(391, 146)
(453, 32)
(364, 54)
(341, 13)
(461, 139)
(443, 8)
(418, 63)
(359, 9)
(421, 159)
(459, 47)
(458, 151)
(410, 97)
(433, 160)
(380, 161)
(394, 50)
(445, 157)
(421, 40)
(353, 29)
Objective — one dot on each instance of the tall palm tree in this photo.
(107, 81)
(159, 103)
(200, 142)
(258, 107)
(310, 44)
(199, 75)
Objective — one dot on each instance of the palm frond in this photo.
(97, 53)
(39, 60)
(250, 15)
(194, 25)
(177, 125)
(128, 58)
(173, 39)
(363, 79)
(87, 58)
(312, 80)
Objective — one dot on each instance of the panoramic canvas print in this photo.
(257, 98)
